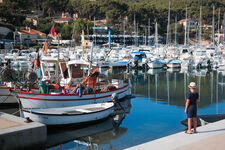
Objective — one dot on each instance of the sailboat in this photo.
(174, 63)
(157, 63)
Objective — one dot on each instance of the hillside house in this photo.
(189, 22)
(29, 35)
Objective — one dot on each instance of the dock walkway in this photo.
(209, 137)
(16, 133)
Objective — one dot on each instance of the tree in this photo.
(50, 7)
(45, 25)
(81, 24)
(66, 32)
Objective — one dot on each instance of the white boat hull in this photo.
(65, 118)
(38, 100)
(155, 65)
(6, 96)
(173, 65)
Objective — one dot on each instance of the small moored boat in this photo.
(174, 63)
(69, 115)
(158, 63)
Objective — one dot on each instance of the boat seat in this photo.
(77, 111)
(84, 110)
(73, 112)
(96, 108)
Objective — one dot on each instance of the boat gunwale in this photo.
(66, 94)
(92, 98)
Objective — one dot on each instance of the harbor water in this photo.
(155, 111)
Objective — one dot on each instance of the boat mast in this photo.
(168, 27)
(185, 35)
(188, 33)
(145, 36)
(176, 31)
(73, 36)
(200, 28)
(124, 42)
(135, 33)
(223, 28)
(213, 27)
(82, 44)
(57, 64)
(156, 38)
(90, 62)
(218, 26)
(94, 32)
(156, 35)
(149, 31)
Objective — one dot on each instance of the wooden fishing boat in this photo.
(69, 115)
(5, 95)
(35, 99)
(94, 90)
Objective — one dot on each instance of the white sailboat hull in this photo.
(173, 65)
(155, 65)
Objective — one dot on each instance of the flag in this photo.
(38, 60)
(45, 48)
(52, 31)
(35, 62)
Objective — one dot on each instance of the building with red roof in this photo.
(28, 34)
(65, 18)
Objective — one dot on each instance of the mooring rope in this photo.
(4, 99)
(15, 112)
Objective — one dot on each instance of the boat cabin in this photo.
(73, 72)
(48, 67)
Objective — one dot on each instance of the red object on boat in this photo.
(56, 86)
(67, 87)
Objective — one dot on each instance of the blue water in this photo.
(156, 110)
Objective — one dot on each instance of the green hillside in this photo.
(14, 12)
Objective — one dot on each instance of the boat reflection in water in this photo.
(90, 136)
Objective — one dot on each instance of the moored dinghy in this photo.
(174, 63)
(69, 115)
(158, 63)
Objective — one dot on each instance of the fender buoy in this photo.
(79, 91)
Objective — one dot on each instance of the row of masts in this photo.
(187, 28)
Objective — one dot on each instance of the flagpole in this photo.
(52, 31)
(57, 67)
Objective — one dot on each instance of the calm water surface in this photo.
(156, 111)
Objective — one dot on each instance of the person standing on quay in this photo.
(191, 107)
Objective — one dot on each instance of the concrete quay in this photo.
(210, 136)
(17, 133)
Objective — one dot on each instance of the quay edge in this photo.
(210, 136)
(16, 133)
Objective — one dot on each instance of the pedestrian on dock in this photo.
(191, 107)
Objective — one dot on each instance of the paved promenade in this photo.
(209, 137)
